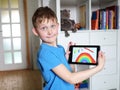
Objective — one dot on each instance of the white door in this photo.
(12, 35)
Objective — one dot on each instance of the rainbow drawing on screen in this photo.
(85, 58)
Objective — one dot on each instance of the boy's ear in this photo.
(34, 31)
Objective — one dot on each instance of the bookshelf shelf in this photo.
(76, 7)
(81, 13)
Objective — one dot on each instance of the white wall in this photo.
(119, 53)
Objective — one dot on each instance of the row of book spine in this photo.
(105, 19)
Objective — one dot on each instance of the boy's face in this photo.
(47, 31)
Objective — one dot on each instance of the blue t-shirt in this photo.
(48, 58)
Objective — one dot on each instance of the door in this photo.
(12, 35)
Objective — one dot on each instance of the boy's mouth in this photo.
(50, 36)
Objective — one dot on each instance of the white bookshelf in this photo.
(108, 78)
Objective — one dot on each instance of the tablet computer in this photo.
(84, 54)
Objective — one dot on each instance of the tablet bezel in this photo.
(83, 46)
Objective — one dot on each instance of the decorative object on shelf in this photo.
(66, 23)
(78, 26)
(82, 86)
(77, 86)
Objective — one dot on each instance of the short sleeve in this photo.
(48, 60)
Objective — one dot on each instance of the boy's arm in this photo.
(77, 77)
(67, 55)
(73, 67)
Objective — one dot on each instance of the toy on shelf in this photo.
(77, 86)
(82, 86)
(78, 26)
(66, 23)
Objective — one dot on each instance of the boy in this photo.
(52, 59)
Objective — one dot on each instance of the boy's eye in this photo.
(43, 28)
(53, 26)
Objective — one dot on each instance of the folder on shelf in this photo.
(95, 20)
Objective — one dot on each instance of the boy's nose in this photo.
(49, 31)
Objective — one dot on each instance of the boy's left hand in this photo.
(67, 51)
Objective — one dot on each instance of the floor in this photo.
(20, 80)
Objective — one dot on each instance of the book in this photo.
(102, 19)
(107, 19)
(95, 20)
(117, 17)
(114, 10)
(110, 19)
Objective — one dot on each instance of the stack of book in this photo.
(105, 18)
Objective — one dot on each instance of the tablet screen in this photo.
(84, 54)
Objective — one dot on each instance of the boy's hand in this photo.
(101, 60)
(67, 51)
